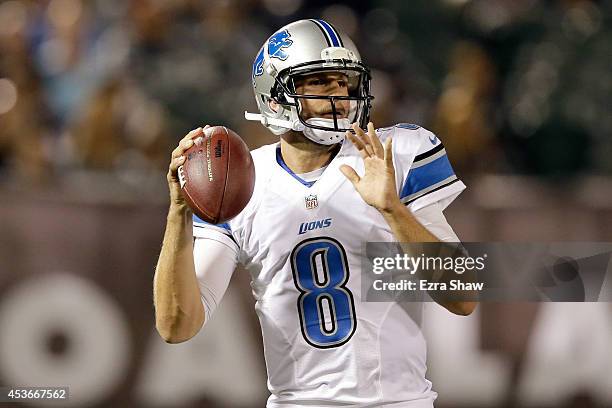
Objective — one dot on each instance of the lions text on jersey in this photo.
(302, 244)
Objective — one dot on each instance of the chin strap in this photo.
(325, 137)
(295, 125)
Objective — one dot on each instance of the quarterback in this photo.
(331, 183)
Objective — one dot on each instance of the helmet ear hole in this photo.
(278, 95)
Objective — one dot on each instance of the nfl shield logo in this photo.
(311, 202)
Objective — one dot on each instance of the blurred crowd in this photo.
(514, 86)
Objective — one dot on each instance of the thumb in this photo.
(350, 174)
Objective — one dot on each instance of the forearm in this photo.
(179, 313)
(407, 228)
(404, 225)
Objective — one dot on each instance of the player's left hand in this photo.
(377, 185)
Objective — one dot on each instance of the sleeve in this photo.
(214, 265)
(432, 218)
(219, 232)
(430, 177)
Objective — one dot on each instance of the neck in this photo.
(302, 155)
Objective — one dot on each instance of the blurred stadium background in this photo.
(95, 94)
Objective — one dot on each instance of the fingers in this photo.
(359, 144)
(369, 143)
(360, 134)
(195, 133)
(180, 149)
(388, 154)
(350, 174)
(185, 143)
(192, 134)
(175, 163)
(375, 141)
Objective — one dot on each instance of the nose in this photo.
(341, 106)
(337, 89)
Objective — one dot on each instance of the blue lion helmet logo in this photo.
(277, 44)
(258, 64)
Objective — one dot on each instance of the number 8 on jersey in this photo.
(320, 272)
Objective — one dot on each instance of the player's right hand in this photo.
(176, 197)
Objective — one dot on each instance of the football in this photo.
(218, 175)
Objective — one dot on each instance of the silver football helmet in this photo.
(302, 48)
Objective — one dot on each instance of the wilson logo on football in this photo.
(219, 149)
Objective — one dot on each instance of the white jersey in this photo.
(302, 243)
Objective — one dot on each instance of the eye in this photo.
(342, 83)
(315, 81)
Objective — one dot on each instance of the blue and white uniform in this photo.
(302, 243)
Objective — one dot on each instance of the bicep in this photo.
(215, 261)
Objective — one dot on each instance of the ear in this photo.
(272, 104)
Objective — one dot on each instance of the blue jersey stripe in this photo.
(333, 36)
(224, 225)
(426, 176)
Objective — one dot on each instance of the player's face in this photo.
(325, 84)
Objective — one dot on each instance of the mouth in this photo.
(329, 115)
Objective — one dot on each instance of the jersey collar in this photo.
(281, 162)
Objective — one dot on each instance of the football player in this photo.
(318, 197)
